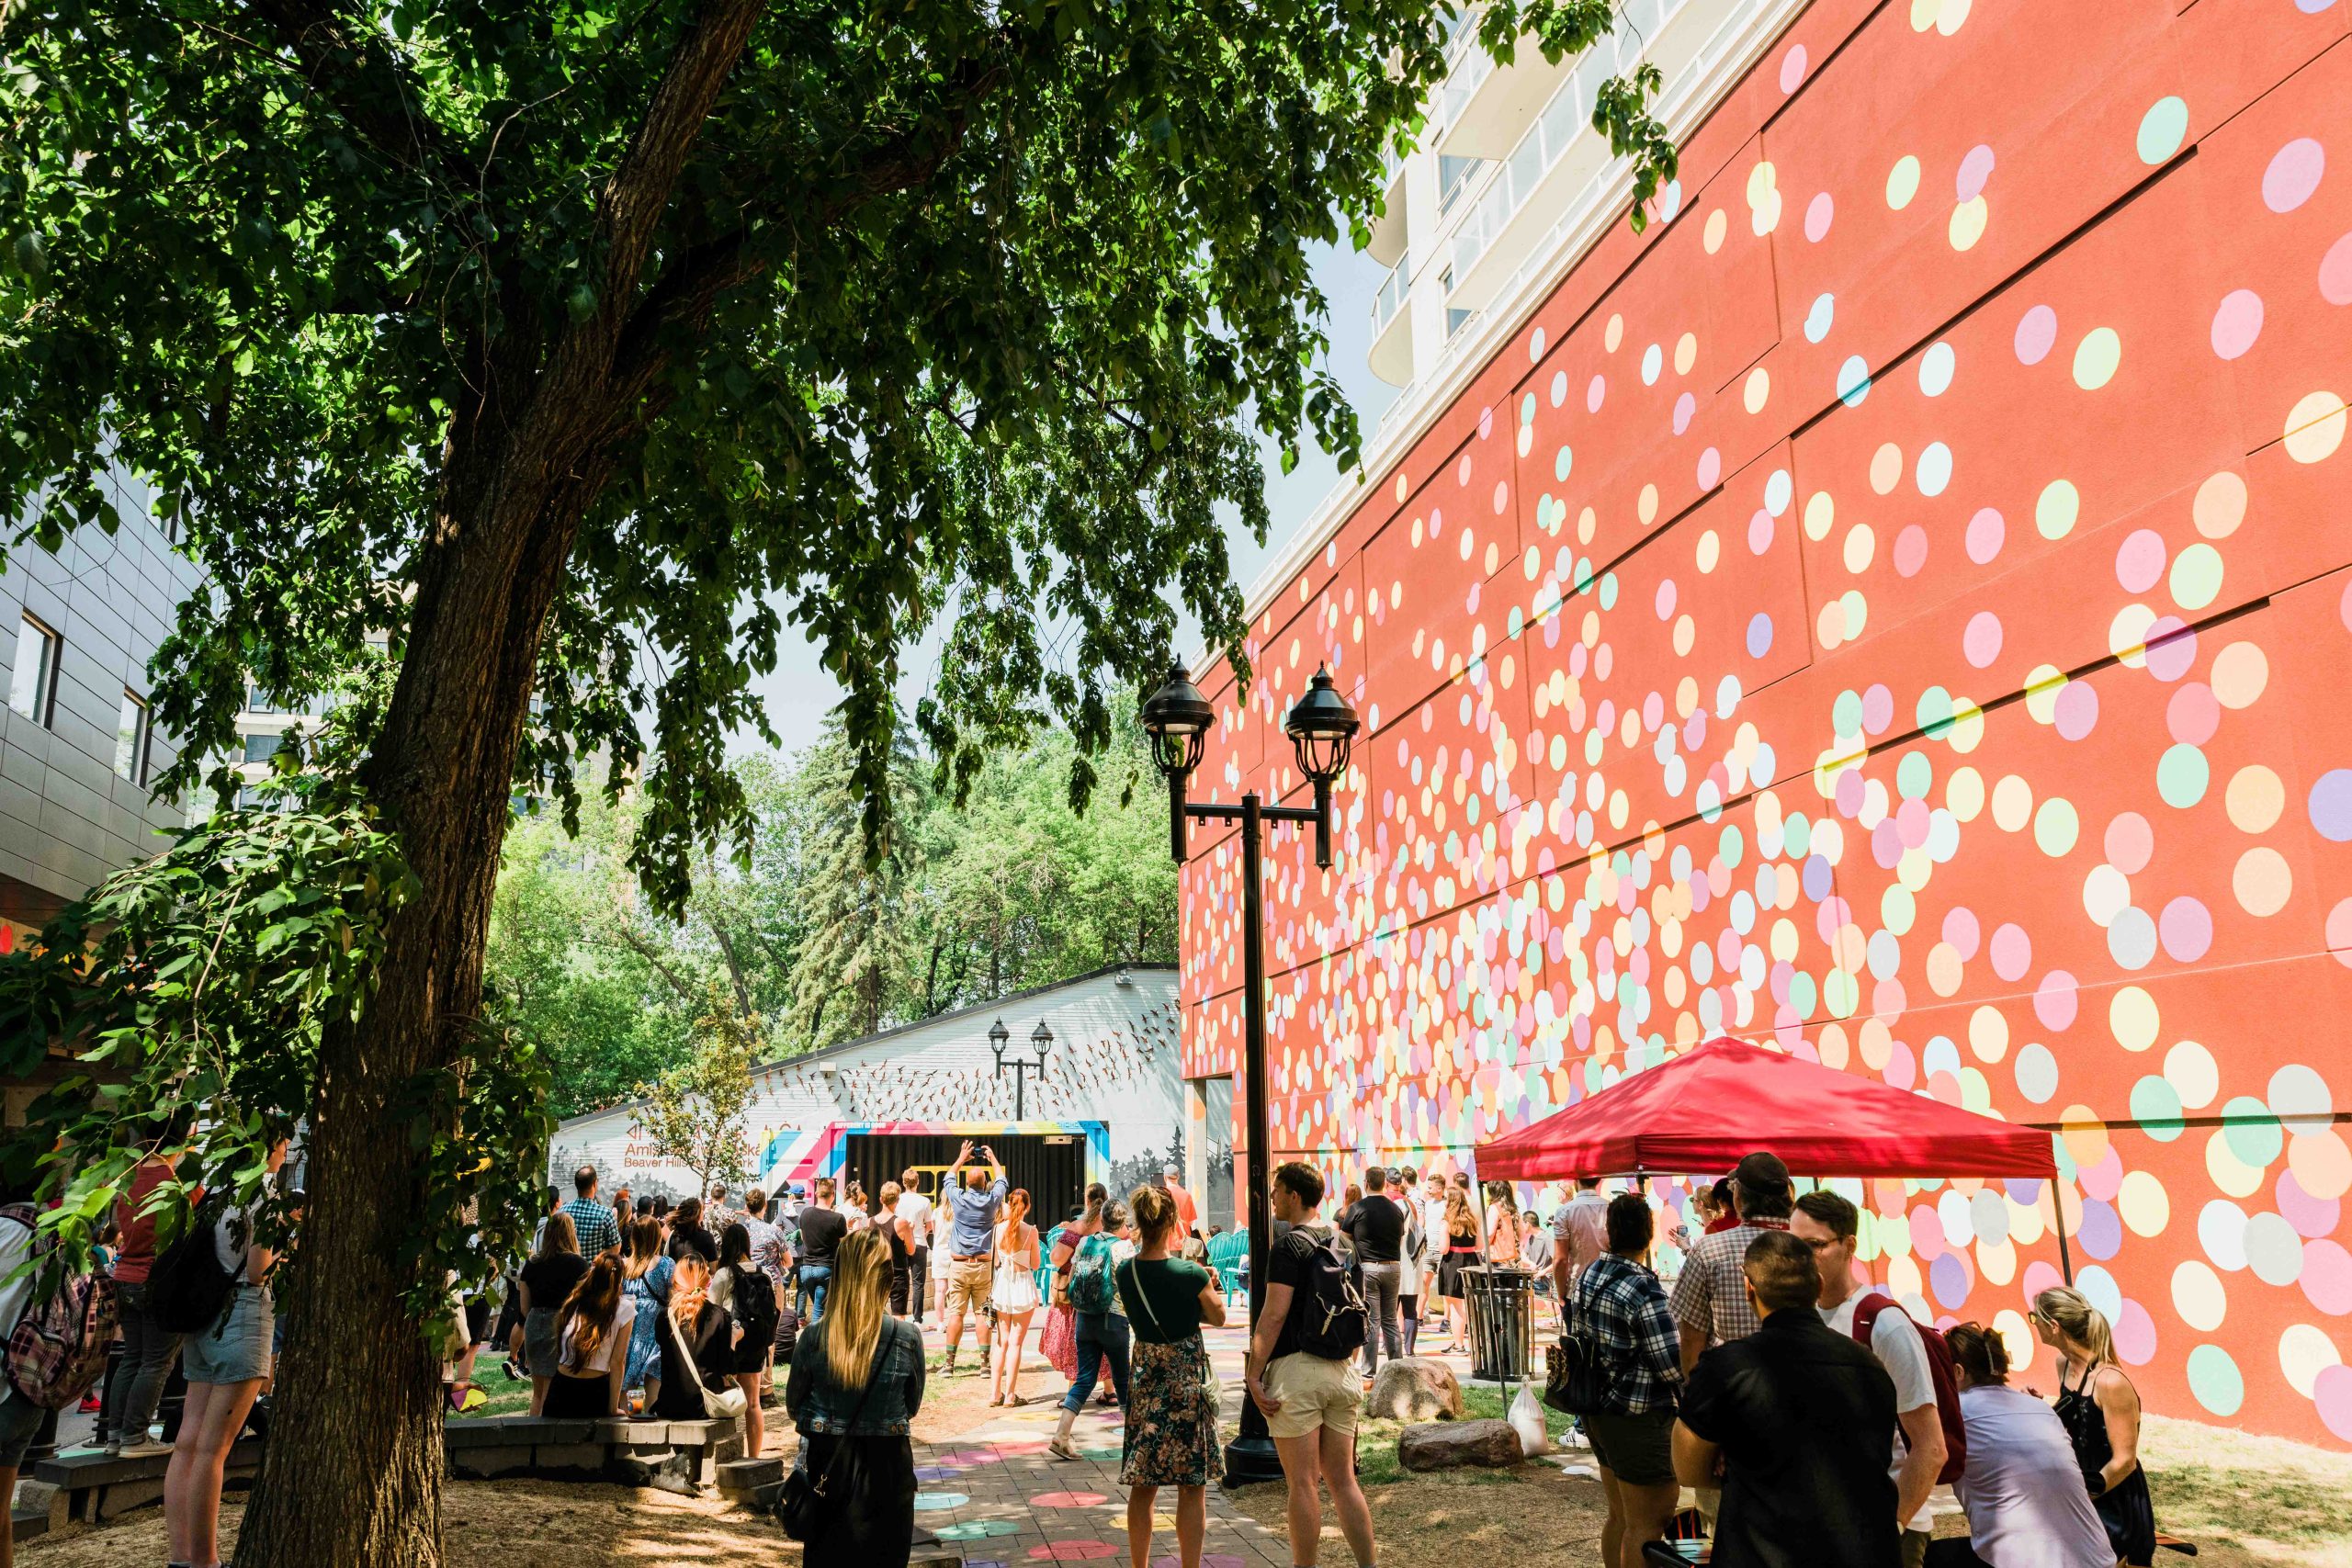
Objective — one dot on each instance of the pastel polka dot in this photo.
(2315, 426)
(1903, 182)
(2220, 505)
(2196, 579)
(1986, 532)
(1853, 381)
(2237, 321)
(2336, 271)
(2056, 508)
(2162, 129)
(2036, 333)
(1819, 213)
(2214, 1378)
(2096, 358)
(2294, 175)
(2239, 675)
(1967, 223)
(1976, 168)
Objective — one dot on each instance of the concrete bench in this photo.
(677, 1456)
(94, 1489)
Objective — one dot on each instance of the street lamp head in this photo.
(1177, 717)
(1042, 1039)
(998, 1035)
(1321, 726)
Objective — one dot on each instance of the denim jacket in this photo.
(818, 1403)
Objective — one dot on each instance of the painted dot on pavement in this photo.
(2213, 1378)
(929, 1501)
(1068, 1499)
(2096, 358)
(2237, 321)
(1076, 1551)
(2294, 175)
(2315, 426)
(2162, 129)
(976, 1529)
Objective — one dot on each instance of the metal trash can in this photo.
(1502, 1322)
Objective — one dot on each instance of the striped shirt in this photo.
(1711, 1297)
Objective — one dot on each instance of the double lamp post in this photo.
(1321, 726)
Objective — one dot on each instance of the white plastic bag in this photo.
(1526, 1419)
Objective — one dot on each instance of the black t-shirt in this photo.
(820, 1231)
(696, 1238)
(1377, 1225)
(550, 1279)
(1806, 1418)
(1289, 1255)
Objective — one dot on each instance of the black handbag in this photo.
(1576, 1375)
(807, 1507)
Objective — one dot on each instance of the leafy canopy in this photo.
(953, 309)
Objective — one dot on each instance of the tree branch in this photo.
(647, 951)
(359, 74)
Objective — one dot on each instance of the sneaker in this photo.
(114, 1448)
(144, 1451)
(512, 1375)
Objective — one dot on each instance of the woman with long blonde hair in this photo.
(2101, 1412)
(1013, 1294)
(646, 1273)
(857, 1384)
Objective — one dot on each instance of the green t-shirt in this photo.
(1170, 1310)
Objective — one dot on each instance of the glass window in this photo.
(261, 748)
(131, 739)
(32, 686)
(259, 701)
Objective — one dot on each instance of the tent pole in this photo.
(2058, 1213)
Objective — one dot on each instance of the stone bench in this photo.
(94, 1489)
(677, 1456)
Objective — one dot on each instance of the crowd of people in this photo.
(1812, 1414)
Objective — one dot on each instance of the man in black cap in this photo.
(1801, 1418)
(1710, 1301)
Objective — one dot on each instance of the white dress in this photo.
(1015, 1288)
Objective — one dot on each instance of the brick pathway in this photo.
(997, 1497)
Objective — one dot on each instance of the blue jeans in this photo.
(816, 1279)
(1100, 1337)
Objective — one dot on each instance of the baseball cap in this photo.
(1761, 1171)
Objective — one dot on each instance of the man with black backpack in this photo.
(1301, 1369)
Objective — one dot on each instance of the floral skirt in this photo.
(1172, 1428)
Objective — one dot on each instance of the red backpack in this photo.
(1939, 1371)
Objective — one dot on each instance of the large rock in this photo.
(1414, 1388)
(1449, 1445)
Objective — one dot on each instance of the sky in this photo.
(799, 692)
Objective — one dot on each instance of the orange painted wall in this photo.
(1899, 609)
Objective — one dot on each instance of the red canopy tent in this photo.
(1705, 1109)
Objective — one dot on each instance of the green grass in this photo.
(1376, 1440)
(506, 1398)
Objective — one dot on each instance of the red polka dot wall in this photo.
(1896, 609)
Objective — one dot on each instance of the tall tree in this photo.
(697, 1112)
(856, 949)
(581, 350)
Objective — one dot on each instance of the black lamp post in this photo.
(1321, 726)
(1041, 1039)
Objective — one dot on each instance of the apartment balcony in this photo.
(1391, 327)
(1486, 108)
(1387, 246)
(1562, 165)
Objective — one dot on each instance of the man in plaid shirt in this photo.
(1622, 1305)
(593, 1220)
(1711, 1298)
